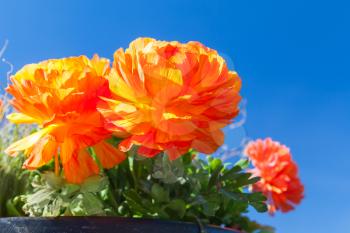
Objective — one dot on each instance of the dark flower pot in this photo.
(100, 225)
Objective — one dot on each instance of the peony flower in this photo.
(279, 174)
(61, 95)
(170, 97)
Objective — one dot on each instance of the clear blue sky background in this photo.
(293, 57)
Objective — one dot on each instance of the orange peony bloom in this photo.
(279, 174)
(170, 97)
(61, 96)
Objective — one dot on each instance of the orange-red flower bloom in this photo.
(170, 97)
(279, 174)
(61, 96)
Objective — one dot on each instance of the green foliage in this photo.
(187, 189)
(13, 179)
(52, 196)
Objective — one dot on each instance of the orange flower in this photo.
(61, 96)
(279, 174)
(1, 109)
(170, 97)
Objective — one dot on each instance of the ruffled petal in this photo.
(79, 167)
(42, 153)
(29, 141)
(108, 155)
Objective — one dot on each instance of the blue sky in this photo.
(293, 57)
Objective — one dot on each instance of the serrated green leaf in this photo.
(41, 197)
(86, 204)
(166, 170)
(53, 209)
(76, 207)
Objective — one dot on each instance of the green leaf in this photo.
(176, 209)
(167, 171)
(215, 164)
(216, 167)
(70, 189)
(236, 196)
(187, 158)
(53, 209)
(135, 201)
(159, 193)
(86, 204)
(256, 197)
(211, 205)
(92, 204)
(76, 207)
(94, 184)
(41, 197)
(253, 180)
(231, 174)
(242, 163)
(242, 180)
(259, 206)
(52, 180)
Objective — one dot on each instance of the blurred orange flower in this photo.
(170, 97)
(1, 109)
(61, 96)
(279, 174)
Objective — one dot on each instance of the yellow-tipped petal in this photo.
(20, 118)
(43, 151)
(29, 141)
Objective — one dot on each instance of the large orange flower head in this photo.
(279, 174)
(169, 96)
(61, 96)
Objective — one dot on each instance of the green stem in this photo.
(132, 167)
(11, 209)
(98, 162)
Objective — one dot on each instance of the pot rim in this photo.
(117, 220)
